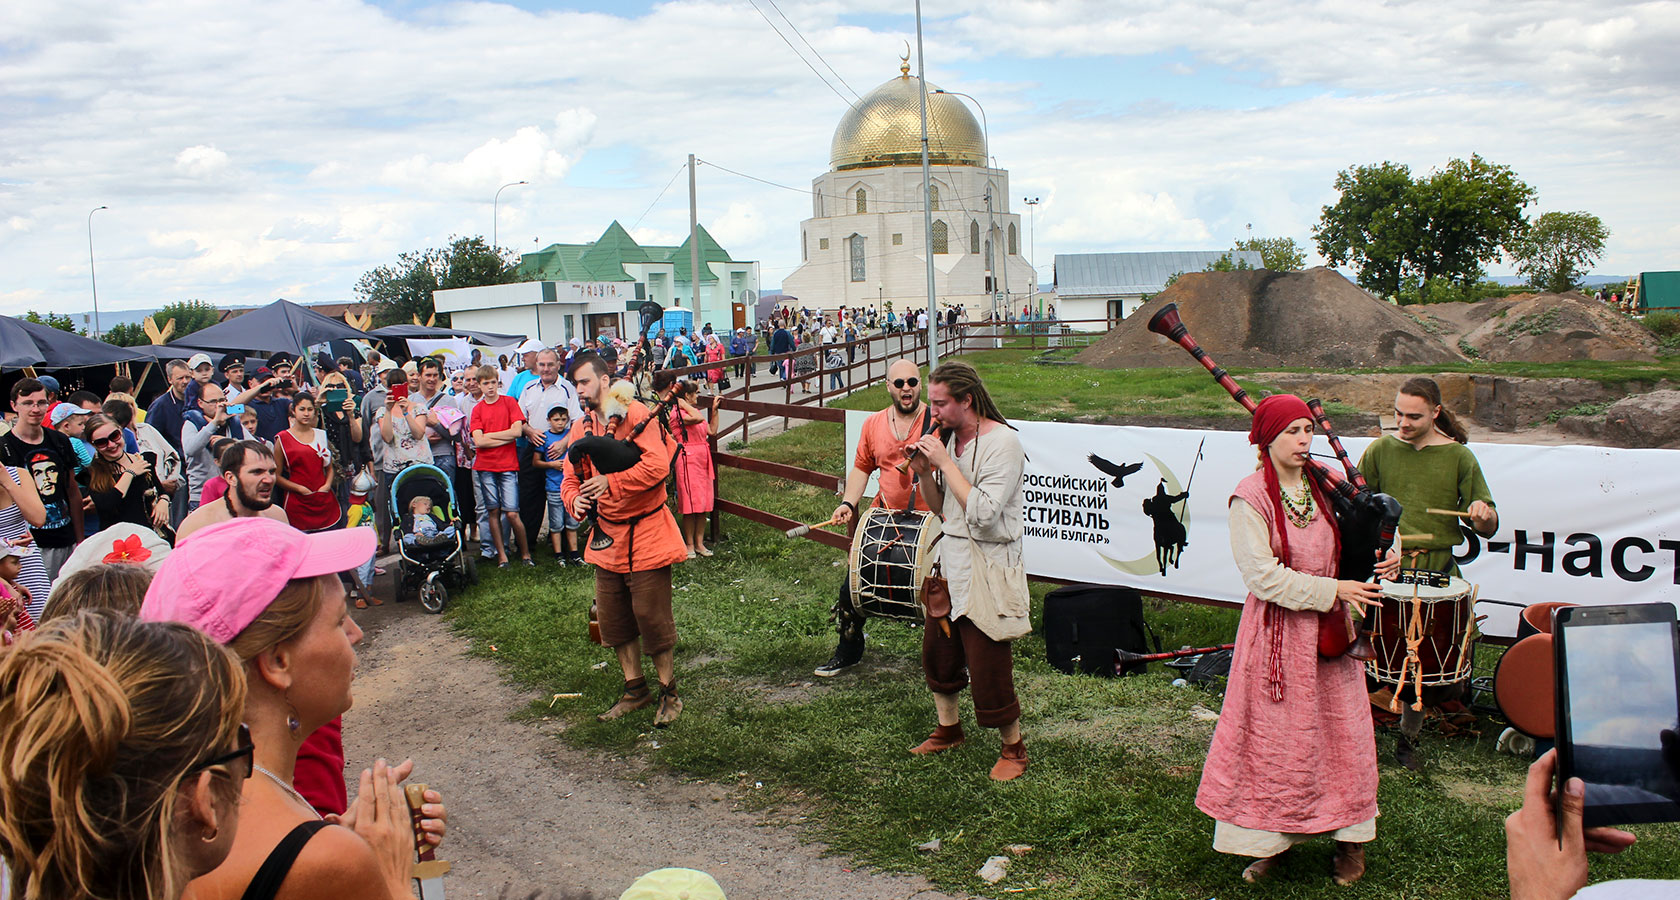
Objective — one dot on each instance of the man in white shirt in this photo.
(542, 394)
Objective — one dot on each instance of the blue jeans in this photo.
(446, 463)
(498, 490)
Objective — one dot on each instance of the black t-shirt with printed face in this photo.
(52, 463)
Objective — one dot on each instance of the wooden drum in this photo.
(892, 551)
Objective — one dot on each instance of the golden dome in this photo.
(885, 129)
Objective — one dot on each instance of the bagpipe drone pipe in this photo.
(1366, 520)
(603, 454)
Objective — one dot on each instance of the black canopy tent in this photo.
(281, 325)
(24, 343)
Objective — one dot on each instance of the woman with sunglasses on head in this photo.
(271, 594)
(125, 758)
(121, 483)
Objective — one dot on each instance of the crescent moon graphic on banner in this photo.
(1146, 564)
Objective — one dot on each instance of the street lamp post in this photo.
(93, 280)
(985, 129)
(1032, 247)
(495, 210)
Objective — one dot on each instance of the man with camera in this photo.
(265, 399)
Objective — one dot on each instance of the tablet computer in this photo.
(1618, 710)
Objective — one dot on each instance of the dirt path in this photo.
(527, 812)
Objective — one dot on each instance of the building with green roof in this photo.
(586, 290)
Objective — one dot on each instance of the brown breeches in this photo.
(636, 604)
(967, 655)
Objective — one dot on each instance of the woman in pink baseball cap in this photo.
(271, 594)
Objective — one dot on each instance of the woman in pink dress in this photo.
(304, 463)
(1293, 756)
(693, 465)
(714, 354)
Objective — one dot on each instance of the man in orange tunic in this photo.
(633, 572)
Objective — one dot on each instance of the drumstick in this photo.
(1447, 512)
(802, 530)
(1417, 537)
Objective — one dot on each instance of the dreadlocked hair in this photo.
(105, 716)
(1430, 392)
(963, 383)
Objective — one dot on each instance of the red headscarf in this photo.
(1271, 417)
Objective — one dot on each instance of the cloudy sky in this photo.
(252, 150)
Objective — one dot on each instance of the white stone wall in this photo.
(897, 272)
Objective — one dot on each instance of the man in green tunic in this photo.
(1427, 466)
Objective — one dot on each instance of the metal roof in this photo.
(1111, 274)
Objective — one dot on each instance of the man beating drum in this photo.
(1427, 466)
(880, 449)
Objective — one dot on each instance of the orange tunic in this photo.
(637, 493)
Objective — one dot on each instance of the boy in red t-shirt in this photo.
(496, 422)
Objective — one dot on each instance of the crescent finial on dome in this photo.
(904, 61)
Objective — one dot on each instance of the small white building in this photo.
(1111, 286)
(594, 289)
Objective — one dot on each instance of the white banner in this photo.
(1576, 524)
(456, 353)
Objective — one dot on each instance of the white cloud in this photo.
(201, 161)
(323, 137)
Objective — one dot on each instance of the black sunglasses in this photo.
(114, 437)
(906, 382)
(245, 749)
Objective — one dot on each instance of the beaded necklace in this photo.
(1298, 509)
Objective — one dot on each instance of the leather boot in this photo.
(943, 738)
(1349, 864)
(670, 705)
(1011, 762)
(636, 695)
(1261, 868)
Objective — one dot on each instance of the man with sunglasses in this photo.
(880, 450)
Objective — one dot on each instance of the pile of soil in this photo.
(1259, 318)
(1543, 328)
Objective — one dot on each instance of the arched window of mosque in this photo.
(933, 196)
(941, 242)
(973, 236)
(1014, 241)
(856, 241)
(862, 201)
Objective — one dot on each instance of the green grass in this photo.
(1108, 803)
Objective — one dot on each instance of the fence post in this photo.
(746, 417)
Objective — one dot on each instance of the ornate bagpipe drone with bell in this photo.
(1367, 520)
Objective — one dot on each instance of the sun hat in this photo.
(674, 884)
(64, 411)
(222, 577)
(532, 345)
(124, 542)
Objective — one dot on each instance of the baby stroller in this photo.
(428, 567)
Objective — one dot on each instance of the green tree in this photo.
(1372, 226)
(1558, 249)
(189, 316)
(125, 335)
(1280, 254)
(60, 321)
(402, 291)
(1399, 231)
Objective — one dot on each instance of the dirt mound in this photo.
(1548, 328)
(1260, 318)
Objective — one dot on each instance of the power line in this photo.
(798, 54)
(656, 199)
(813, 50)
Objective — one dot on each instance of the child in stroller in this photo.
(422, 532)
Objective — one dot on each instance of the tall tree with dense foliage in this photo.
(402, 292)
(127, 334)
(1373, 225)
(60, 321)
(1559, 248)
(189, 316)
(1279, 254)
(1398, 231)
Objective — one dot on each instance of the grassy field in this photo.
(1107, 804)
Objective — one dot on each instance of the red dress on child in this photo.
(308, 465)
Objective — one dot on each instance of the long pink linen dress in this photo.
(1307, 764)
(694, 465)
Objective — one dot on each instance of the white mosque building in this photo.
(865, 245)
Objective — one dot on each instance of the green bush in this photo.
(1663, 324)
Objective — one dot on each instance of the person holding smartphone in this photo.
(1546, 847)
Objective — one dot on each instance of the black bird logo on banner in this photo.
(1118, 471)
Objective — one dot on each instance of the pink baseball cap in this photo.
(222, 577)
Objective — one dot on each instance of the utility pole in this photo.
(991, 266)
(92, 279)
(693, 245)
(1032, 248)
(927, 200)
(1008, 300)
(495, 214)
